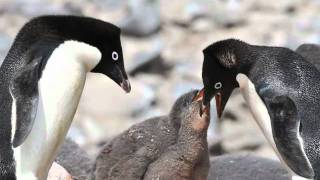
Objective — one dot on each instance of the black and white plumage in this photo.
(282, 92)
(41, 80)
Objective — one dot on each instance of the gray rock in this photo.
(311, 52)
(37, 7)
(5, 42)
(222, 16)
(149, 61)
(246, 167)
(142, 19)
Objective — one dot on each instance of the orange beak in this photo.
(218, 104)
(203, 108)
(199, 96)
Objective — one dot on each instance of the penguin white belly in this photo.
(60, 88)
(260, 114)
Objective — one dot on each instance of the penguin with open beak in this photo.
(41, 81)
(282, 91)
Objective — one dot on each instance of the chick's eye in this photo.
(115, 56)
(218, 85)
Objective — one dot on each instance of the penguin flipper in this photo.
(285, 128)
(24, 91)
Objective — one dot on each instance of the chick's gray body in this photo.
(129, 155)
(188, 158)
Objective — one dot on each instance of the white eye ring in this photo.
(218, 85)
(115, 56)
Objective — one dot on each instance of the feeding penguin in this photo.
(282, 91)
(41, 81)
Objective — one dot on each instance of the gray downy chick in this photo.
(128, 155)
(75, 160)
(188, 159)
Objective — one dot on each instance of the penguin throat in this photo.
(82, 53)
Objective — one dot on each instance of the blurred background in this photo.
(162, 43)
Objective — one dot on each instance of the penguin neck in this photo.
(80, 53)
(246, 57)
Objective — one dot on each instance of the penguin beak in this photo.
(116, 73)
(221, 99)
(204, 109)
(219, 107)
(119, 76)
(125, 85)
(198, 96)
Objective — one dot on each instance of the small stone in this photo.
(142, 19)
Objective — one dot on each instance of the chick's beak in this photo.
(204, 109)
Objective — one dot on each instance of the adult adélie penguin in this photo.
(283, 94)
(41, 81)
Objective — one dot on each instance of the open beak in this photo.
(204, 109)
(125, 85)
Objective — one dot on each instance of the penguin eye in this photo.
(115, 56)
(218, 85)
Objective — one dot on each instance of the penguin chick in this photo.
(128, 155)
(246, 167)
(187, 159)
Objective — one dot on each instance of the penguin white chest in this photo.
(60, 88)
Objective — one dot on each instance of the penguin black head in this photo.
(220, 68)
(111, 63)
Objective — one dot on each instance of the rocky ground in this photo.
(162, 44)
